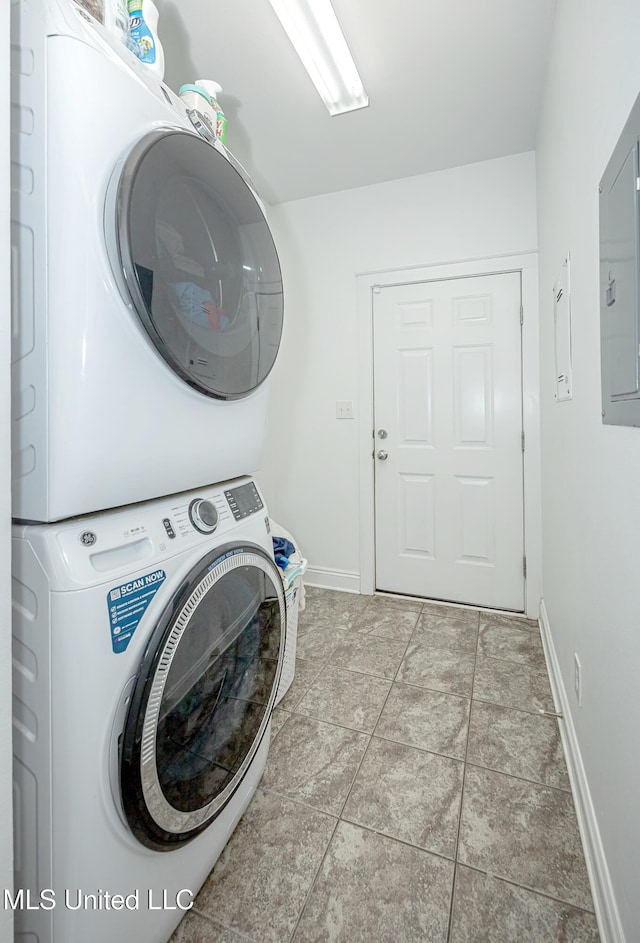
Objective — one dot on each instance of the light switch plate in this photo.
(344, 409)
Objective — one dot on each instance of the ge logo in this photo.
(87, 538)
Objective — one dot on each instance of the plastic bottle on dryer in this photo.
(213, 89)
(116, 19)
(143, 31)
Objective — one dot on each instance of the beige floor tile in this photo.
(486, 908)
(524, 833)
(518, 743)
(438, 669)
(348, 698)
(511, 684)
(426, 719)
(260, 883)
(315, 762)
(371, 889)
(408, 794)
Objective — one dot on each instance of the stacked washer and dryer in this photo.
(150, 621)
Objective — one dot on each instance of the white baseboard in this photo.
(325, 578)
(611, 930)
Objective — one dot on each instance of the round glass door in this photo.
(203, 697)
(200, 263)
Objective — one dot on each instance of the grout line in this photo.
(355, 776)
(464, 779)
(525, 887)
(377, 721)
(242, 937)
(523, 710)
(423, 687)
(522, 664)
(300, 802)
(521, 779)
(399, 841)
(453, 897)
(414, 746)
(313, 883)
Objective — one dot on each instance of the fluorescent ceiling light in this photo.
(313, 28)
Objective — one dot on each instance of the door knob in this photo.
(383, 455)
(382, 433)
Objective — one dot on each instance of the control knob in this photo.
(203, 515)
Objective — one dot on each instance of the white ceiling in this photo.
(450, 82)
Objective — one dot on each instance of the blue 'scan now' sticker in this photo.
(128, 603)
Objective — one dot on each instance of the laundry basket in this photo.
(292, 579)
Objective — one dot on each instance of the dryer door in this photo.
(199, 263)
(203, 696)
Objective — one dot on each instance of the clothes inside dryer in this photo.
(200, 263)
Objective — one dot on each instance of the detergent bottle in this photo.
(196, 98)
(143, 32)
(213, 89)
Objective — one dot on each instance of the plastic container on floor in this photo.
(292, 579)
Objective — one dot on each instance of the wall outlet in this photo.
(344, 409)
(577, 679)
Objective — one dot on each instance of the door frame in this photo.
(526, 264)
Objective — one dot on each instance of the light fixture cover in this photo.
(313, 28)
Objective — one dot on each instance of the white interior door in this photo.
(449, 471)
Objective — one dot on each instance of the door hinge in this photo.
(521, 314)
(637, 183)
(524, 567)
(522, 441)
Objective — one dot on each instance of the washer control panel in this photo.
(203, 514)
(244, 500)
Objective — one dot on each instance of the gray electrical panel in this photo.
(619, 278)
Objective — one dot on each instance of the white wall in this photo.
(6, 839)
(310, 475)
(591, 472)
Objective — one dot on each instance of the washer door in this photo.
(199, 263)
(203, 696)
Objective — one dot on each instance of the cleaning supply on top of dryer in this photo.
(213, 89)
(116, 19)
(143, 32)
(198, 99)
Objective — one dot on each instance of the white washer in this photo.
(147, 289)
(148, 648)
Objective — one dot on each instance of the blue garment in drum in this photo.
(198, 306)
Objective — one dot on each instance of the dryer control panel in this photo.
(244, 500)
(201, 515)
(146, 535)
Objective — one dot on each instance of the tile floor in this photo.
(413, 793)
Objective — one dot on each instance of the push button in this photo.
(169, 528)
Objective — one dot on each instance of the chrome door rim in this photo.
(163, 813)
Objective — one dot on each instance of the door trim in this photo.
(527, 265)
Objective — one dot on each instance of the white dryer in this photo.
(148, 295)
(148, 649)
